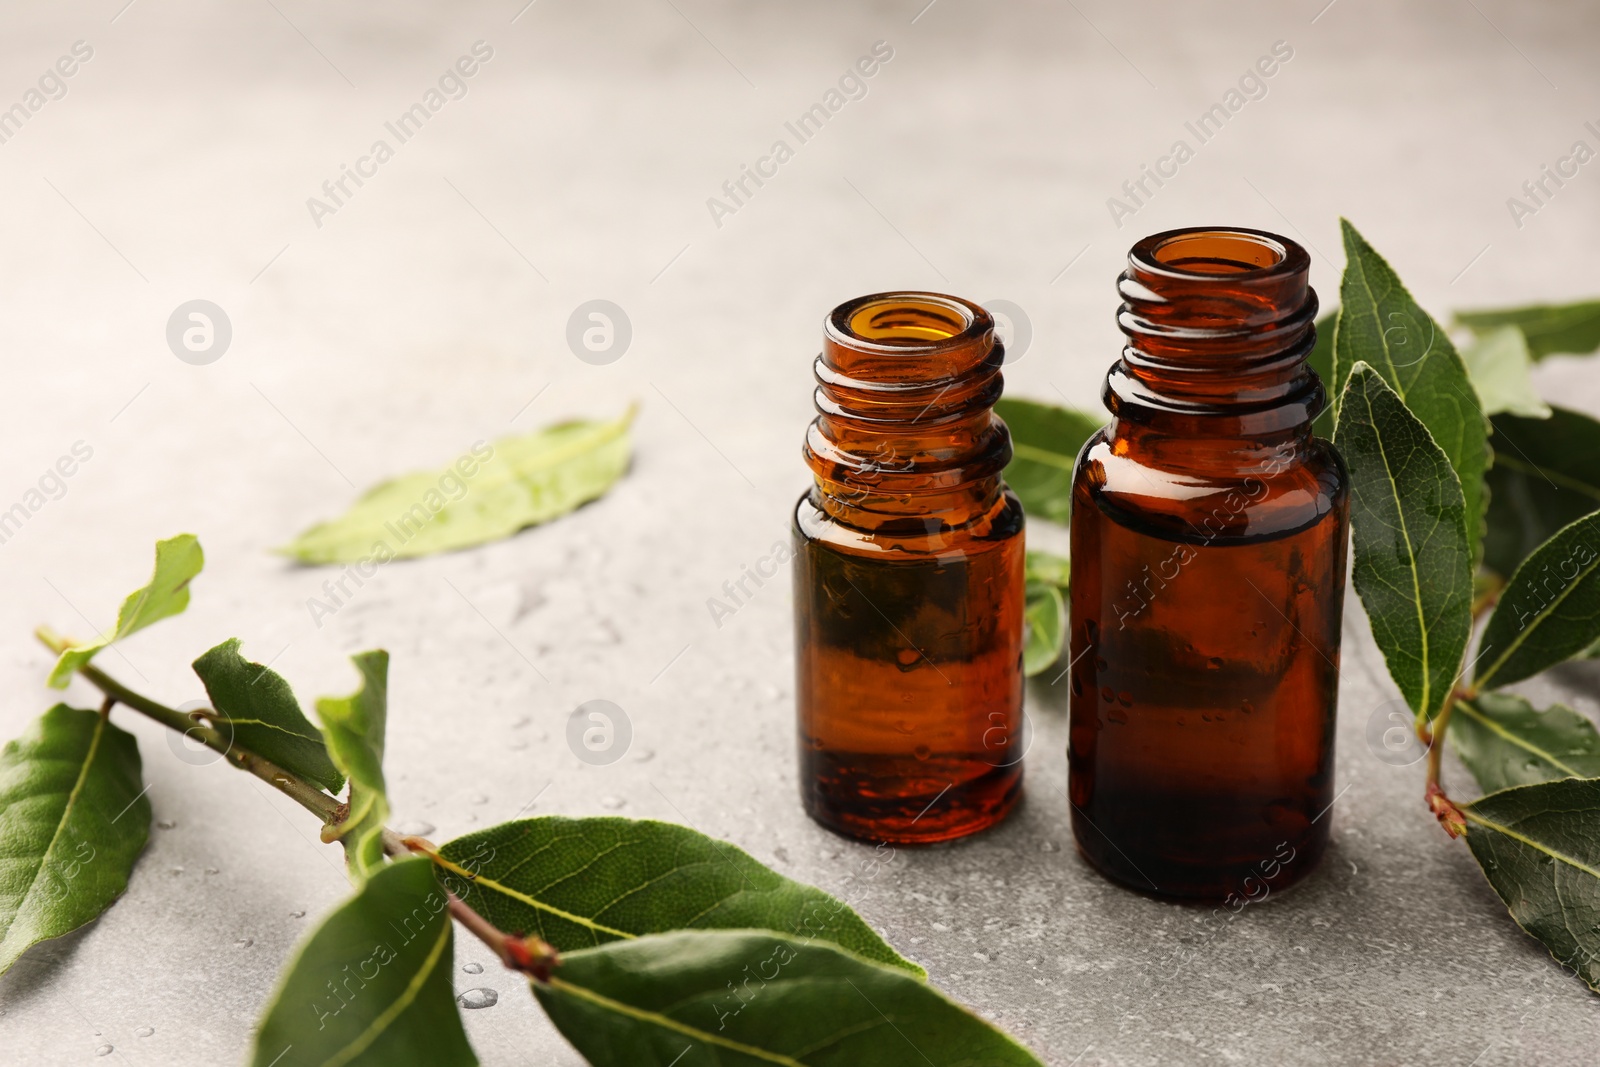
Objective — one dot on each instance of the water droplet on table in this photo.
(244, 942)
(416, 828)
(104, 1050)
(300, 914)
(472, 968)
(144, 1031)
(478, 998)
(166, 824)
(644, 755)
(612, 803)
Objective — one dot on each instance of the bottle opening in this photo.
(1219, 252)
(905, 321)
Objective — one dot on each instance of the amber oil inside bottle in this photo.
(908, 577)
(1208, 567)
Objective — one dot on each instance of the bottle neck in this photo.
(1220, 324)
(905, 436)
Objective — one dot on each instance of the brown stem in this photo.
(1449, 816)
(301, 792)
(530, 955)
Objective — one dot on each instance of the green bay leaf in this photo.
(1380, 324)
(1321, 361)
(1538, 847)
(741, 998)
(1045, 614)
(1505, 741)
(1047, 567)
(1413, 564)
(73, 819)
(372, 984)
(1498, 364)
(1045, 441)
(1549, 328)
(258, 711)
(1546, 473)
(1549, 611)
(486, 495)
(178, 560)
(356, 727)
(577, 883)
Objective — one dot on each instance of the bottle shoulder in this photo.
(917, 540)
(1259, 494)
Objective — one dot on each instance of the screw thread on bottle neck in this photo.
(1220, 322)
(905, 431)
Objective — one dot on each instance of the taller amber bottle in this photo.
(908, 577)
(1208, 565)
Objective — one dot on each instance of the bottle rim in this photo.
(907, 322)
(1231, 254)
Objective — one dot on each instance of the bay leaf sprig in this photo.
(1411, 426)
(630, 932)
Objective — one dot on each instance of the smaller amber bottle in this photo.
(1208, 563)
(908, 577)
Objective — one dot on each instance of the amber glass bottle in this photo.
(1208, 564)
(908, 577)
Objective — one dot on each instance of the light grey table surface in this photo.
(430, 309)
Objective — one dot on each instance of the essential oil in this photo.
(908, 577)
(1208, 568)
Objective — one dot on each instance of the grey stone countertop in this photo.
(427, 307)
